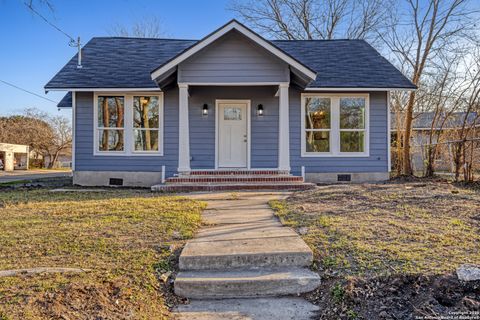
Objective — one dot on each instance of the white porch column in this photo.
(283, 129)
(183, 129)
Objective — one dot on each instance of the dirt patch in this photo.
(399, 297)
(389, 250)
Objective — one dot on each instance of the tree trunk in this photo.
(106, 124)
(54, 160)
(120, 124)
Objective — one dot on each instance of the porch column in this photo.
(183, 129)
(283, 129)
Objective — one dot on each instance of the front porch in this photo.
(233, 138)
(233, 127)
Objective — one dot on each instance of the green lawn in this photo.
(124, 237)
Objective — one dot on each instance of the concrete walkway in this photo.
(245, 265)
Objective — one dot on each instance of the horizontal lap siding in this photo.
(86, 161)
(264, 135)
(376, 162)
(233, 58)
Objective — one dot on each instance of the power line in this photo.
(29, 6)
(30, 92)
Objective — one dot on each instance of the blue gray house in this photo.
(231, 108)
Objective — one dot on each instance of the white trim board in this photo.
(128, 125)
(335, 126)
(234, 25)
(74, 130)
(357, 89)
(231, 84)
(249, 121)
(389, 134)
(105, 89)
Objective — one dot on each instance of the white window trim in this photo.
(129, 148)
(335, 126)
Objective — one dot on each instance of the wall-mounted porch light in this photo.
(260, 110)
(205, 110)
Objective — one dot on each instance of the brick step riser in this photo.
(228, 187)
(232, 179)
(234, 172)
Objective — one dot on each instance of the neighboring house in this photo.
(426, 124)
(145, 109)
(13, 156)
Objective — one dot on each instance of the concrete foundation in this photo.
(358, 177)
(120, 178)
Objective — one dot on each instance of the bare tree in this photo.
(469, 99)
(416, 39)
(62, 138)
(313, 19)
(146, 28)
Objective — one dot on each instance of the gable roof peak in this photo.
(250, 34)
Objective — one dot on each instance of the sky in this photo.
(32, 52)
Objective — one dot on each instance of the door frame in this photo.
(217, 105)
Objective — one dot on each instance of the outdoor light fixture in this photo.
(260, 110)
(205, 110)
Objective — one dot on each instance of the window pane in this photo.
(352, 113)
(110, 112)
(318, 141)
(317, 113)
(232, 113)
(146, 140)
(145, 112)
(352, 141)
(110, 140)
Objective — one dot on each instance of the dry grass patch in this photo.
(123, 236)
(375, 229)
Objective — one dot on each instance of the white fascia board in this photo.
(252, 36)
(358, 89)
(104, 89)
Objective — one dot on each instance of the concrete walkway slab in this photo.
(251, 309)
(244, 251)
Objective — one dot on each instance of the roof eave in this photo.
(360, 89)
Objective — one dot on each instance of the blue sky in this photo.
(31, 51)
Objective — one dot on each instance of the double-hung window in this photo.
(128, 124)
(335, 125)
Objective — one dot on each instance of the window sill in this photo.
(336, 155)
(131, 154)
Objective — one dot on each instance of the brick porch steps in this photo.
(232, 187)
(233, 179)
(224, 180)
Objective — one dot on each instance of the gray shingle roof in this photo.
(66, 101)
(116, 62)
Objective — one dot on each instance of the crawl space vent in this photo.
(116, 182)
(344, 177)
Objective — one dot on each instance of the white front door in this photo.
(232, 135)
